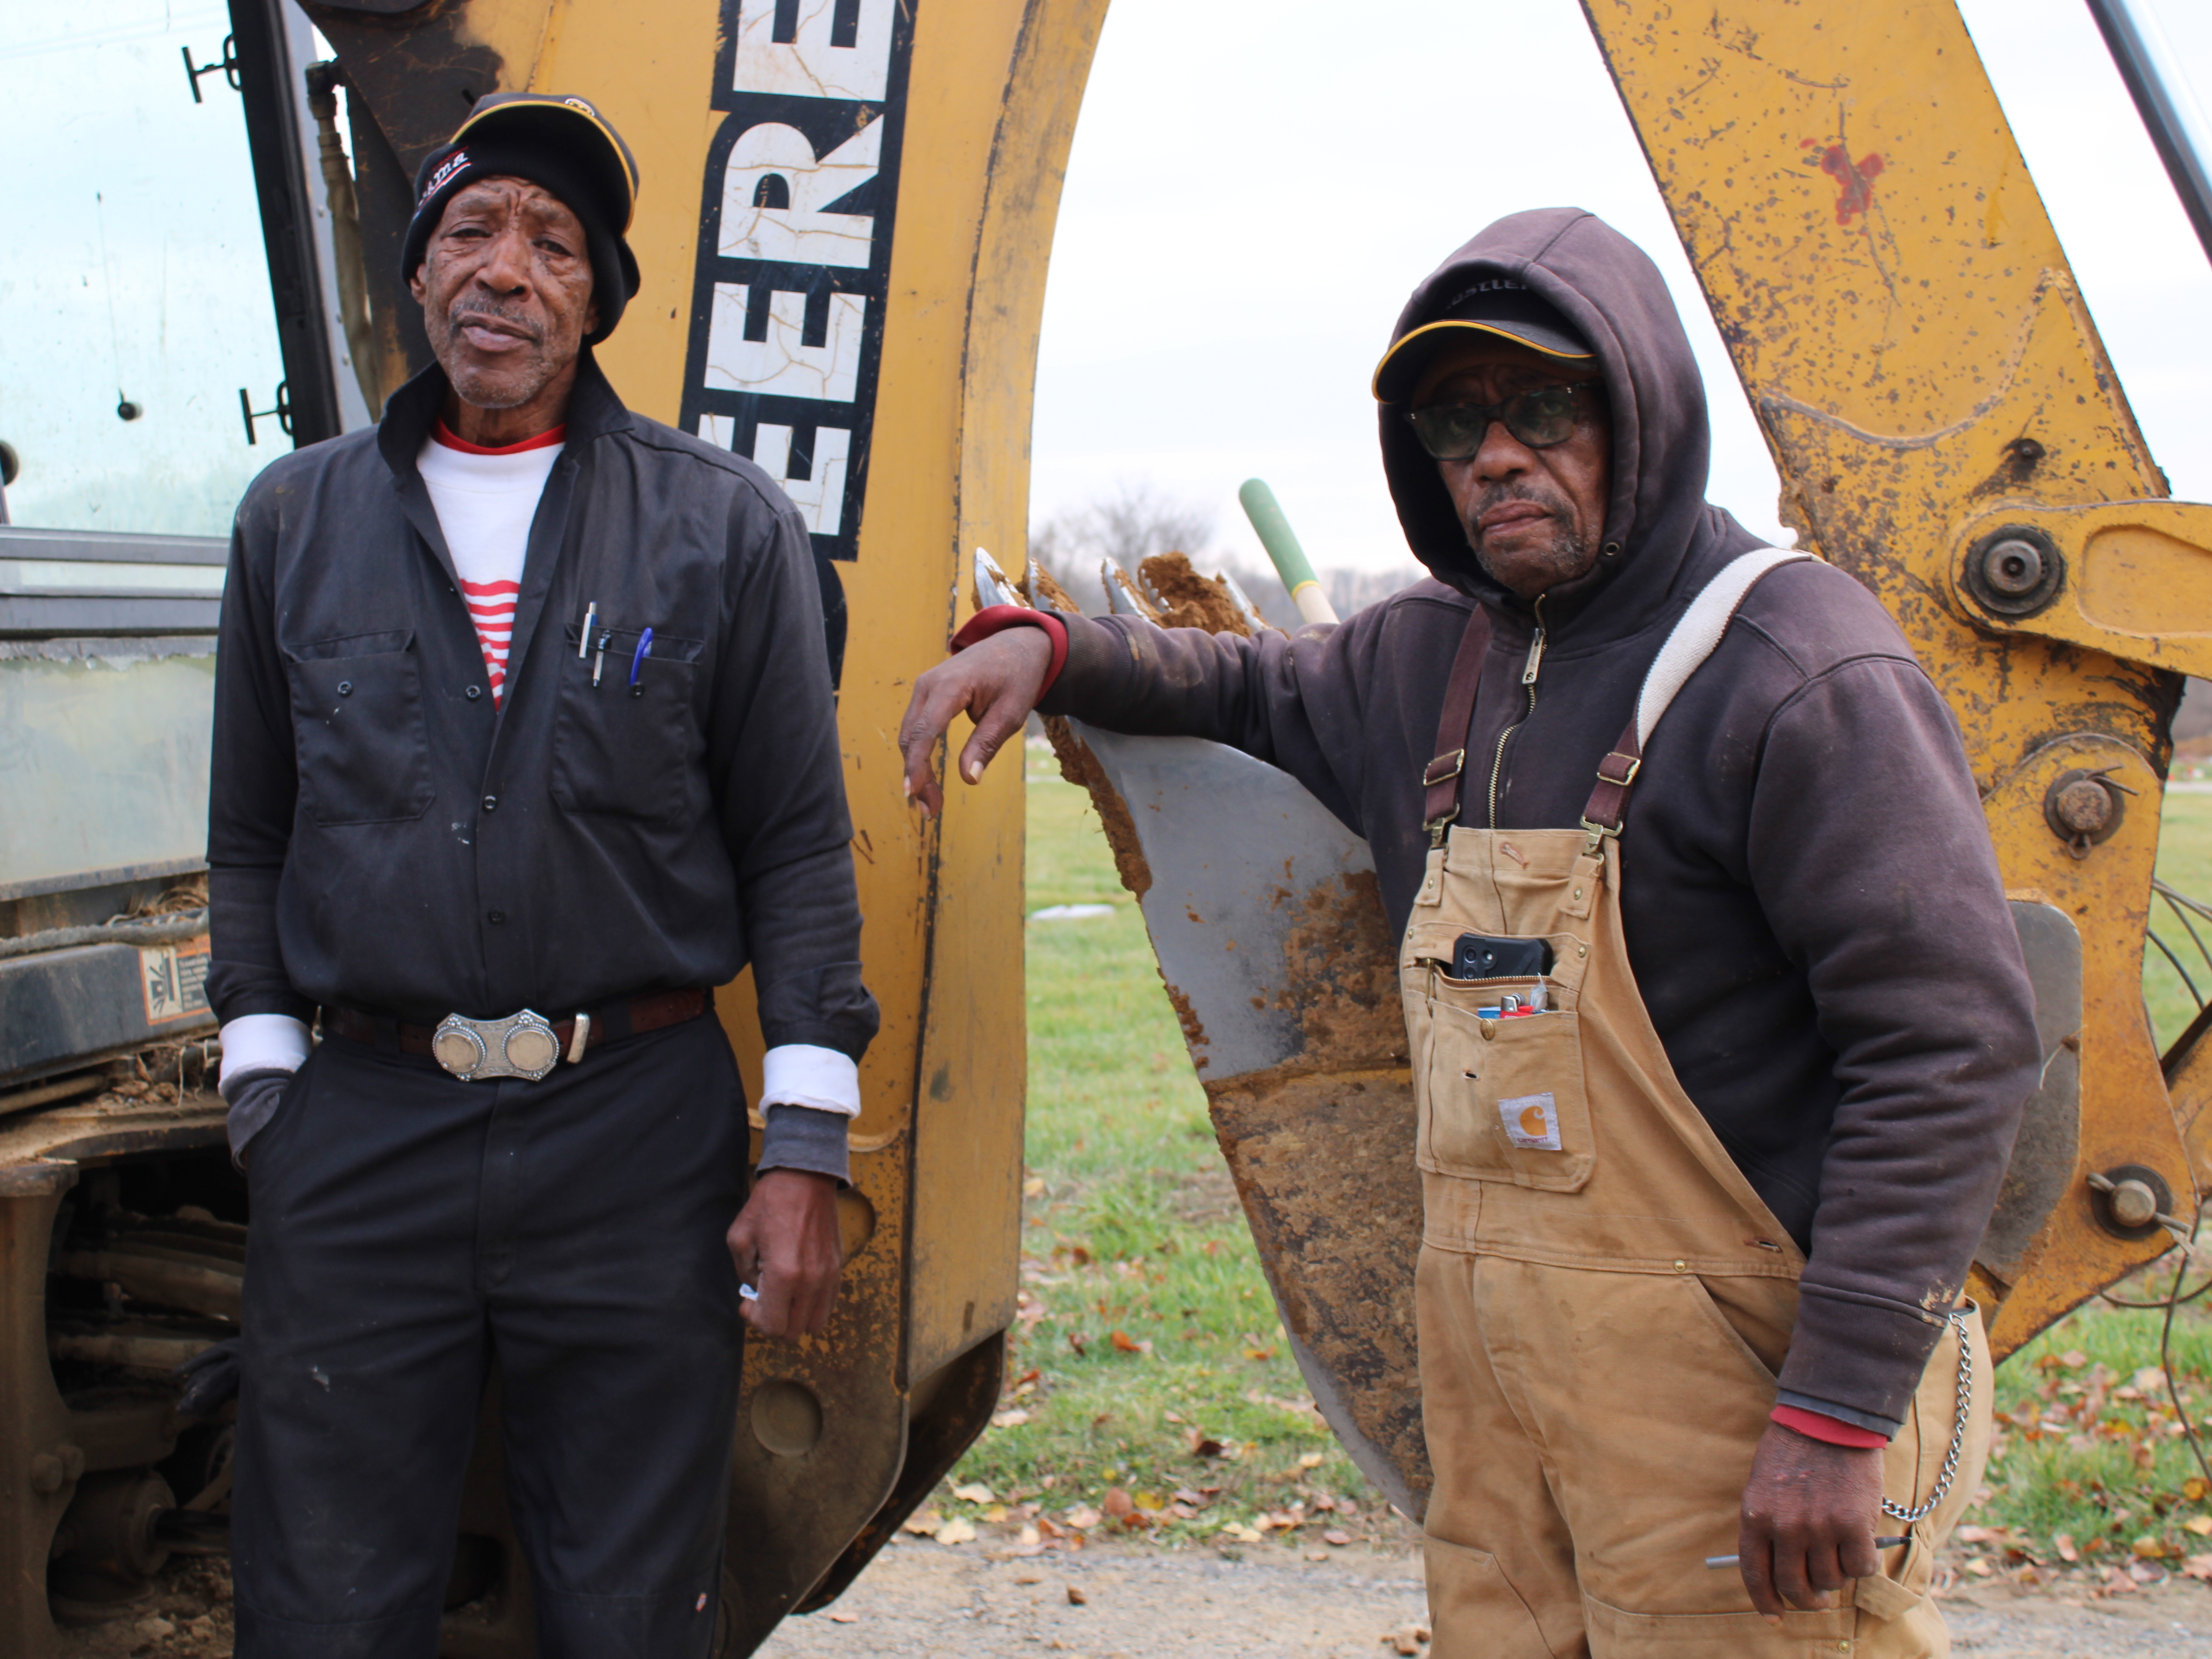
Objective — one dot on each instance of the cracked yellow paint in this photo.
(1905, 323)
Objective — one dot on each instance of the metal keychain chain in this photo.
(1897, 1511)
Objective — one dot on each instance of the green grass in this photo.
(1147, 1360)
(2185, 861)
(1147, 1357)
(2088, 1457)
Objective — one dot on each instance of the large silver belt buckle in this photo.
(477, 1050)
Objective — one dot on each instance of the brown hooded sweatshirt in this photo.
(1814, 912)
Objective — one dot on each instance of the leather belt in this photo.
(463, 1038)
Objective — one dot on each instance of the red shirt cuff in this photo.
(997, 618)
(1819, 1425)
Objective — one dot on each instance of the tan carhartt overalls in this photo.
(1604, 1300)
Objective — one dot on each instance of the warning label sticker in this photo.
(174, 978)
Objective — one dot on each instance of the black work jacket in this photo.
(384, 836)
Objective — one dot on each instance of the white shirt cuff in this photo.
(259, 1042)
(802, 1074)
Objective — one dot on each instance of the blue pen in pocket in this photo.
(637, 661)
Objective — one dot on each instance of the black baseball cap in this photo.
(1491, 305)
(561, 143)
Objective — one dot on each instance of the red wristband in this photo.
(1819, 1425)
(997, 618)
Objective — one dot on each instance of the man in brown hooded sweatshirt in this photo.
(1697, 1232)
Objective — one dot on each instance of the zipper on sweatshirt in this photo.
(1528, 671)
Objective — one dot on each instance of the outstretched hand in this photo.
(996, 681)
(1808, 1525)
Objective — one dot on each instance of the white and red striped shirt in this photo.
(486, 499)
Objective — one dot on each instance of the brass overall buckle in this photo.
(1598, 833)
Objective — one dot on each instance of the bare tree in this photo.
(1128, 526)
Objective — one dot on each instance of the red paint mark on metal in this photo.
(1854, 183)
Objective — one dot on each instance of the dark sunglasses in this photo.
(1540, 417)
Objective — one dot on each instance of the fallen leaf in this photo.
(996, 1514)
(1117, 1503)
(1080, 1343)
(1259, 1353)
(2148, 1547)
(1243, 1535)
(2063, 1543)
(2073, 1360)
(1082, 1519)
(1148, 1500)
(1317, 1555)
(2200, 1524)
(1124, 1343)
(1171, 1417)
(1197, 1500)
(1312, 1460)
(1978, 1567)
(1337, 1536)
(2198, 1566)
(1964, 1534)
(1076, 1598)
(1029, 1537)
(843, 1618)
(1033, 1187)
(957, 1532)
(923, 1522)
(2196, 1489)
(1204, 1445)
(2150, 1379)
(974, 1492)
(1013, 1419)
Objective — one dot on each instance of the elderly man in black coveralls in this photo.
(524, 739)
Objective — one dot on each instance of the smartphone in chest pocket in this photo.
(1478, 956)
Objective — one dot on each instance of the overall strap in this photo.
(1694, 638)
(1440, 778)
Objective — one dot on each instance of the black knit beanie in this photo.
(579, 161)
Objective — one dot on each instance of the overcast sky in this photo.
(1253, 190)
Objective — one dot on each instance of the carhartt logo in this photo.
(1531, 1122)
(446, 168)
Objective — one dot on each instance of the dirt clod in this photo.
(1190, 600)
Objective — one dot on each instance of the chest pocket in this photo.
(621, 749)
(1501, 1098)
(358, 729)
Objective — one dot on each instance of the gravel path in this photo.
(921, 1600)
(924, 1599)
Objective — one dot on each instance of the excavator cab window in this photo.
(168, 308)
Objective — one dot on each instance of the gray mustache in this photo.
(460, 314)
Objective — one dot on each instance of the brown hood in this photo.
(1658, 519)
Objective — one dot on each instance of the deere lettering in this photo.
(795, 255)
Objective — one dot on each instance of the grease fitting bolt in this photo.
(2013, 567)
(2134, 1205)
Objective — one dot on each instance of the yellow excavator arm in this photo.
(1949, 430)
